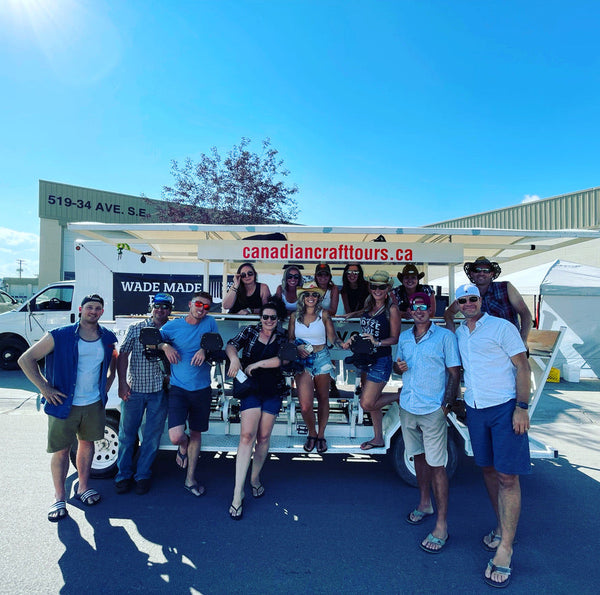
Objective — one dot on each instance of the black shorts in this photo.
(190, 405)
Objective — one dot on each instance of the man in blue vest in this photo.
(80, 367)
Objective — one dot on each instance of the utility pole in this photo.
(20, 262)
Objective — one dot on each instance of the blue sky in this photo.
(386, 113)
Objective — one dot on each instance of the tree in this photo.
(244, 187)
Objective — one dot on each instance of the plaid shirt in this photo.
(247, 338)
(143, 376)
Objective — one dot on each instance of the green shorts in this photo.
(84, 422)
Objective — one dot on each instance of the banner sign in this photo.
(317, 251)
(133, 292)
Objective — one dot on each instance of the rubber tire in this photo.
(106, 451)
(404, 466)
(11, 350)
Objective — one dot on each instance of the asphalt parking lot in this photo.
(324, 526)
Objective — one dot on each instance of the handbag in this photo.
(242, 389)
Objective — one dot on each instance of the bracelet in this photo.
(234, 288)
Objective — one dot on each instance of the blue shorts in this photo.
(494, 441)
(320, 363)
(190, 405)
(269, 404)
(380, 371)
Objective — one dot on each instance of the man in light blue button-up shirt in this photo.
(430, 366)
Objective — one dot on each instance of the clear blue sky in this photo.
(386, 113)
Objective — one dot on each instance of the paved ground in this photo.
(324, 526)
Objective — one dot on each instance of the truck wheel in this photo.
(106, 451)
(10, 351)
(405, 465)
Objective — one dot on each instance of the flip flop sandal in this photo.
(236, 513)
(321, 445)
(436, 541)
(369, 445)
(420, 517)
(258, 491)
(58, 511)
(195, 490)
(502, 570)
(88, 497)
(309, 445)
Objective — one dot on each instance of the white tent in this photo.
(569, 295)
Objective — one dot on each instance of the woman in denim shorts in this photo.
(380, 323)
(311, 328)
(260, 345)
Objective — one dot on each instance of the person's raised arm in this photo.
(518, 303)
(449, 313)
(231, 294)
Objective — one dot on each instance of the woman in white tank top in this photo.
(311, 326)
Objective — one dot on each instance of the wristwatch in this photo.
(448, 405)
(522, 404)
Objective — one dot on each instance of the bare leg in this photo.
(85, 454)
(373, 400)
(322, 385)
(261, 450)
(193, 454)
(179, 438)
(509, 509)
(439, 483)
(59, 467)
(250, 421)
(490, 479)
(306, 396)
(423, 472)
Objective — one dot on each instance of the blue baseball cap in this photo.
(164, 298)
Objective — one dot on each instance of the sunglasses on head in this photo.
(482, 270)
(313, 294)
(375, 286)
(202, 306)
(162, 307)
(472, 299)
(248, 274)
(293, 276)
(419, 307)
(269, 316)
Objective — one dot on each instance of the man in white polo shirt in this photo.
(497, 390)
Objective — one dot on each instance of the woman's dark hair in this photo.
(276, 304)
(362, 283)
(242, 298)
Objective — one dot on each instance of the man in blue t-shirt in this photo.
(190, 392)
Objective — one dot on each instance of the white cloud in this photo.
(18, 245)
(530, 198)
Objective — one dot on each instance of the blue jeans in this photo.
(132, 412)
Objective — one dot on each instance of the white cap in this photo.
(467, 289)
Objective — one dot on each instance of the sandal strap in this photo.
(58, 505)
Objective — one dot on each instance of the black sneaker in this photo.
(142, 486)
(123, 486)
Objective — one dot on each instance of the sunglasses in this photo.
(202, 306)
(482, 270)
(323, 274)
(312, 294)
(375, 286)
(419, 307)
(162, 307)
(351, 272)
(293, 276)
(248, 274)
(472, 299)
(269, 316)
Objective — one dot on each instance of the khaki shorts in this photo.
(84, 422)
(426, 434)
